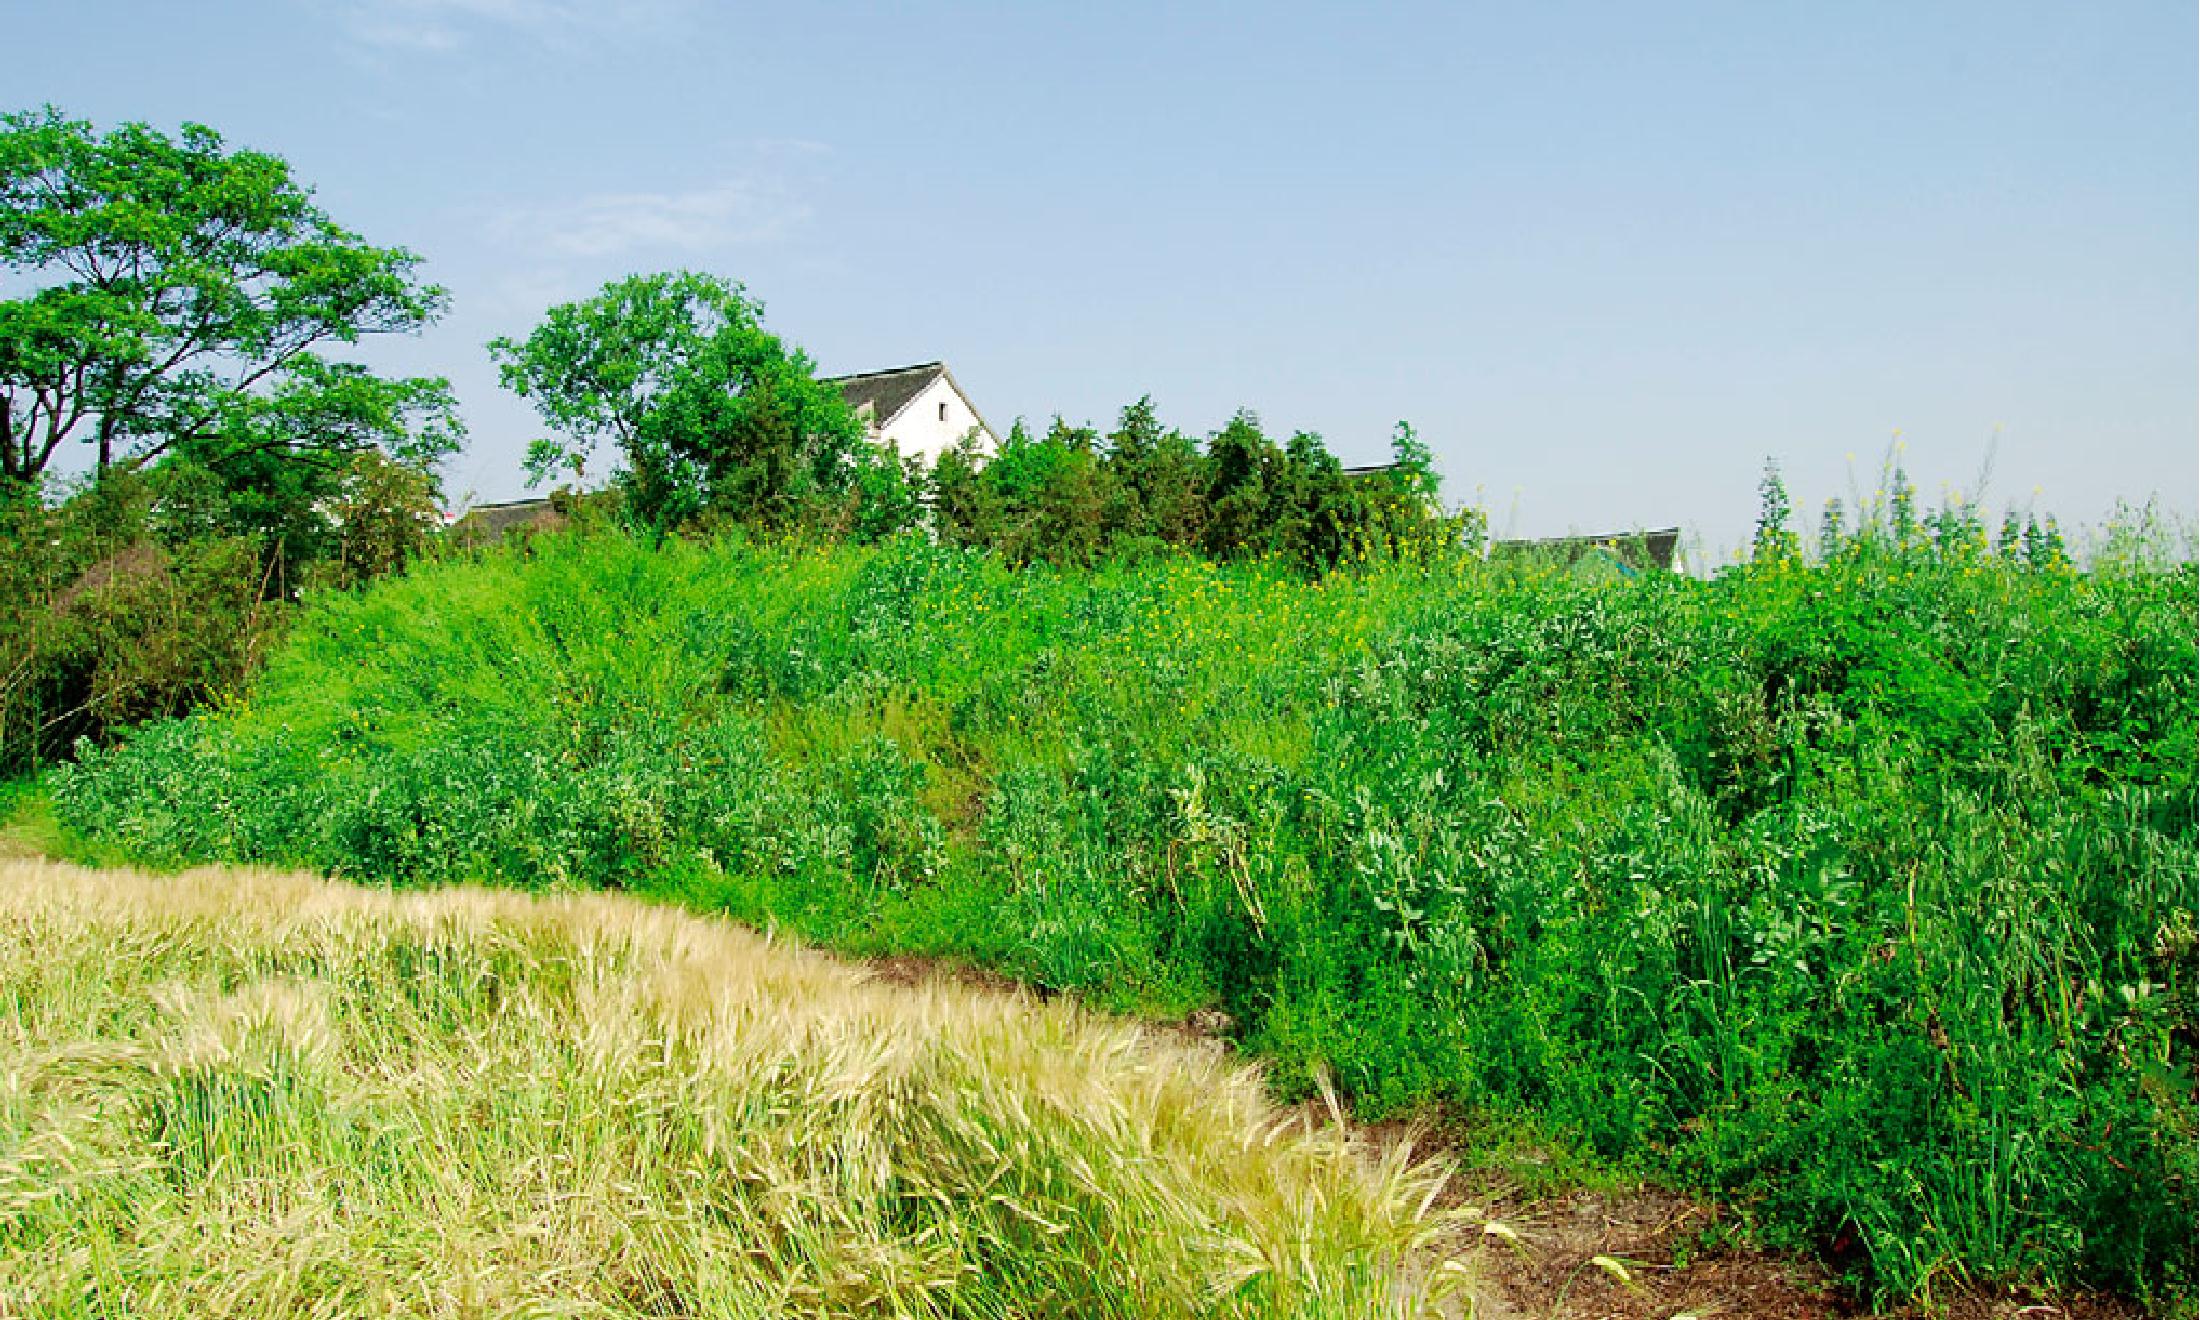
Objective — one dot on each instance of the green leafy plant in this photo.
(710, 412)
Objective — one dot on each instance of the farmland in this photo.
(1855, 891)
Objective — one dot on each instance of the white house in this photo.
(919, 409)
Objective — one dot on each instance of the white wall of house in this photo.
(932, 423)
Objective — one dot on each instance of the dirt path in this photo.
(1641, 1255)
(1604, 1255)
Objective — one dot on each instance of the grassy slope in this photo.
(29, 829)
(1861, 893)
(249, 1093)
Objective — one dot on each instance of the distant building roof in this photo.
(1635, 550)
(885, 393)
(488, 522)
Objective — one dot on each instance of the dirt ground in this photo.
(1549, 1269)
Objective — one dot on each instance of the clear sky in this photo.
(1608, 257)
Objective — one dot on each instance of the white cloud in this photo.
(520, 295)
(443, 26)
(726, 214)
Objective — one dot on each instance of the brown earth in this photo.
(908, 970)
(1550, 1268)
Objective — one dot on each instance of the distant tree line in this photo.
(1074, 495)
(713, 420)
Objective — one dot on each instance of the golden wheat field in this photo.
(231, 1093)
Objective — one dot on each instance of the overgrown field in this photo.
(1861, 892)
(243, 1094)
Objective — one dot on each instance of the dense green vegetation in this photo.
(182, 445)
(1859, 888)
(147, 594)
(1075, 496)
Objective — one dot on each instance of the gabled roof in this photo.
(890, 391)
(490, 521)
(886, 392)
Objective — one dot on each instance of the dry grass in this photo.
(245, 1093)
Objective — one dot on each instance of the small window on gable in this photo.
(943, 410)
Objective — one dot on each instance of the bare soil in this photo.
(903, 969)
(1658, 1238)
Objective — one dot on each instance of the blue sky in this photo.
(1607, 257)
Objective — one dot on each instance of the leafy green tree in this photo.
(1038, 498)
(1414, 464)
(1138, 433)
(1243, 497)
(288, 501)
(965, 507)
(1160, 477)
(1125, 454)
(383, 516)
(1068, 521)
(889, 497)
(1321, 515)
(708, 410)
(179, 299)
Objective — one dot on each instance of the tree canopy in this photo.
(1072, 495)
(180, 299)
(710, 412)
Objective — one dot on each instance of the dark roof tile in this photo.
(887, 392)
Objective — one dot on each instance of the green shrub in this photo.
(109, 617)
(147, 594)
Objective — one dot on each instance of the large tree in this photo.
(710, 412)
(171, 297)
